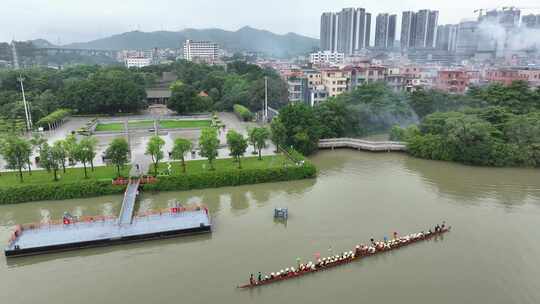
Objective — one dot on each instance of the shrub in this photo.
(243, 112)
(215, 179)
(57, 191)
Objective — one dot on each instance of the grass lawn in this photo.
(8, 179)
(165, 124)
(199, 166)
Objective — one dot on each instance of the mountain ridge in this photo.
(244, 39)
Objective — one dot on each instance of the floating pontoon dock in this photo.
(100, 231)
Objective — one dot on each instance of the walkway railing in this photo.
(128, 204)
(360, 144)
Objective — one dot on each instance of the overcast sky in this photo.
(68, 21)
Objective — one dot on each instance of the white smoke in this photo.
(492, 34)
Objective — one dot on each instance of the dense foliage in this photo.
(87, 89)
(301, 128)
(240, 83)
(243, 112)
(491, 126)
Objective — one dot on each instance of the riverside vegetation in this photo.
(59, 180)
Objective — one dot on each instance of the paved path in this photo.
(128, 205)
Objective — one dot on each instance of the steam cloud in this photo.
(514, 39)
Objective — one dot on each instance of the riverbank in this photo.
(40, 185)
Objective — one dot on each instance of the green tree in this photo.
(70, 145)
(183, 98)
(85, 152)
(278, 133)
(60, 154)
(251, 139)
(118, 153)
(181, 147)
(209, 145)
(302, 127)
(336, 118)
(90, 144)
(36, 141)
(16, 152)
(154, 148)
(237, 145)
(261, 135)
(52, 158)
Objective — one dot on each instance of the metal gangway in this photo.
(128, 204)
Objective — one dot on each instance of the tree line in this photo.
(222, 87)
(93, 89)
(17, 151)
(494, 125)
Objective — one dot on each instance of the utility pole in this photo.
(26, 110)
(265, 110)
(126, 127)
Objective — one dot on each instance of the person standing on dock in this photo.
(259, 277)
(251, 280)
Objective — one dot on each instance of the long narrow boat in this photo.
(397, 243)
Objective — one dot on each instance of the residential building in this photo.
(335, 81)
(531, 21)
(394, 79)
(447, 37)
(452, 81)
(497, 46)
(317, 95)
(407, 30)
(201, 51)
(329, 27)
(137, 61)
(326, 58)
(392, 25)
(366, 74)
(313, 78)
(503, 76)
(346, 32)
(297, 88)
(385, 31)
(532, 76)
(467, 39)
(419, 30)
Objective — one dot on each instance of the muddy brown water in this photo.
(492, 254)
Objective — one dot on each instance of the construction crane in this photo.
(481, 11)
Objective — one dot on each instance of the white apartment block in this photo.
(201, 51)
(137, 62)
(327, 57)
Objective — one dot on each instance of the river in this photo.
(491, 255)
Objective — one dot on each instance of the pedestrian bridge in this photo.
(359, 144)
(128, 204)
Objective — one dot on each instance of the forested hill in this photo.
(244, 39)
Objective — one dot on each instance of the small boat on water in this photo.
(359, 252)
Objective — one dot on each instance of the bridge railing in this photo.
(361, 141)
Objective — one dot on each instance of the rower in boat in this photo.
(345, 257)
